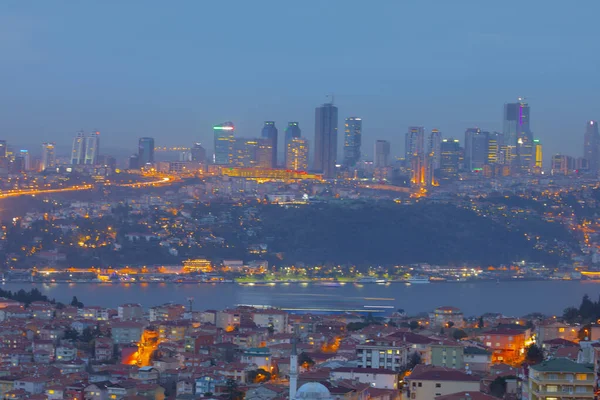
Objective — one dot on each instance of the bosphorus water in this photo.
(510, 297)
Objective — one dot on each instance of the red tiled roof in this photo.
(466, 396)
(429, 372)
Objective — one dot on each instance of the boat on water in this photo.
(418, 279)
(367, 280)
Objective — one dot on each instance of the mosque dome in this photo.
(313, 390)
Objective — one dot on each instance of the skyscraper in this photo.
(326, 127)
(198, 153)
(24, 154)
(245, 152)
(414, 144)
(450, 158)
(264, 153)
(352, 141)
(296, 154)
(92, 148)
(269, 131)
(476, 149)
(518, 136)
(591, 146)
(382, 154)
(224, 140)
(48, 156)
(291, 131)
(434, 148)
(78, 153)
(146, 151)
(539, 155)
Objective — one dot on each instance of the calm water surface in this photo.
(510, 298)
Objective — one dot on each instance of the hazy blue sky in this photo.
(171, 69)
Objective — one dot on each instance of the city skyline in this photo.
(122, 98)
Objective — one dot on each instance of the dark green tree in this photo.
(413, 360)
(459, 334)
(571, 314)
(498, 387)
(534, 355)
(480, 323)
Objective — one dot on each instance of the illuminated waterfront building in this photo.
(92, 148)
(269, 131)
(326, 131)
(382, 154)
(78, 152)
(224, 142)
(591, 146)
(245, 152)
(434, 144)
(518, 136)
(352, 140)
(450, 158)
(296, 154)
(146, 150)
(197, 265)
(198, 153)
(48, 156)
(291, 131)
(265, 153)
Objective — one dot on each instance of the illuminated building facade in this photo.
(291, 131)
(146, 150)
(264, 153)
(326, 132)
(518, 136)
(269, 131)
(224, 141)
(591, 146)
(494, 149)
(352, 140)
(197, 265)
(382, 154)
(539, 155)
(48, 156)
(450, 158)
(266, 173)
(78, 152)
(434, 149)
(414, 145)
(562, 165)
(296, 154)
(92, 148)
(245, 152)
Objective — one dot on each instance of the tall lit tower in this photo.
(78, 153)
(382, 154)
(269, 131)
(539, 155)
(326, 130)
(591, 146)
(293, 370)
(92, 148)
(296, 154)
(352, 140)
(434, 148)
(146, 151)
(518, 136)
(48, 156)
(224, 140)
(291, 131)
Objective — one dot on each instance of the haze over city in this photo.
(132, 69)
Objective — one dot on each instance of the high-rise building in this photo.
(134, 162)
(494, 147)
(562, 165)
(326, 130)
(476, 149)
(382, 154)
(434, 148)
(269, 131)
(591, 146)
(264, 153)
(198, 153)
(518, 136)
(414, 144)
(3, 149)
(24, 154)
(146, 151)
(539, 155)
(291, 131)
(352, 141)
(92, 148)
(224, 140)
(296, 154)
(245, 152)
(48, 156)
(450, 158)
(78, 153)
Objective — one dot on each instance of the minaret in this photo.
(293, 370)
